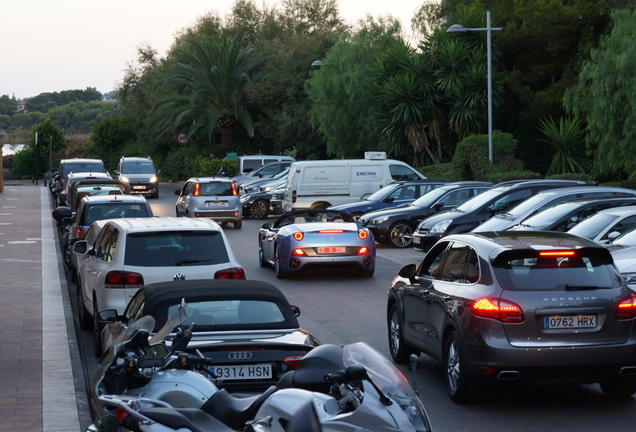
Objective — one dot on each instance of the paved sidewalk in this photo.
(37, 337)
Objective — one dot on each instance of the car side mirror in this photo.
(389, 199)
(108, 316)
(177, 192)
(439, 206)
(116, 172)
(295, 310)
(408, 272)
(267, 226)
(80, 247)
(613, 235)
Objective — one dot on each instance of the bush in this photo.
(571, 176)
(178, 165)
(210, 166)
(470, 161)
(438, 171)
(498, 177)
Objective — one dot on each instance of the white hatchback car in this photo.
(132, 252)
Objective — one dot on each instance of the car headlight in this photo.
(377, 221)
(124, 179)
(440, 228)
(153, 179)
(630, 278)
(244, 199)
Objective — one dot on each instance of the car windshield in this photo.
(70, 167)
(524, 207)
(379, 195)
(431, 197)
(95, 212)
(175, 248)
(592, 226)
(311, 216)
(551, 215)
(137, 167)
(479, 201)
(232, 312)
(578, 270)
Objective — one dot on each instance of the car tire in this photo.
(66, 255)
(620, 387)
(261, 256)
(97, 334)
(280, 273)
(84, 318)
(401, 235)
(400, 351)
(238, 224)
(461, 387)
(259, 209)
(356, 216)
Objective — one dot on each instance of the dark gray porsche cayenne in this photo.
(516, 306)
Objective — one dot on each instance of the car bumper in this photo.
(380, 234)
(219, 216)
(425, 242)
(143, 188)
(296, 263)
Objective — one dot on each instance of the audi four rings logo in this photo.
(178, 276)
(239, 355)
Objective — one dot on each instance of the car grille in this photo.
(423, 230)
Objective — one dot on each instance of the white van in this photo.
(250, 163)
(324, 183)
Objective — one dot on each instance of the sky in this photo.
(56, 45)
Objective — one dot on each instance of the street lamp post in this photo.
(456, 28)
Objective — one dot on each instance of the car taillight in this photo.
(197, 189)
(498, 309)
(298, 252)
(626, 308)
(364, 251)
(293, 196)
(231, 273)
(557, 253)
(79, 233)
(331, 231)
(123, 279)
(363, 234)
(234, 191)
(298, 236)
(293, 361)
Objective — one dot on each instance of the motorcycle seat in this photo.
(235, 411)
(192, 418)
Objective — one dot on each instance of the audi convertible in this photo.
(310, 239)
(248, 327)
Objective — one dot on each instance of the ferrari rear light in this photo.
(298, 236)
(79, 233)
(331, 231)
(197, 189)
(230, 273)
(363, 234)
(298, 252)
(234, 191)
(557, 253)
(501, 310)
(626, 308)
(363, 251)
(123, 279)
(294, 196)
(293, 361)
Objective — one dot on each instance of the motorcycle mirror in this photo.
(356, 373)
(175, 318)
(160, 350)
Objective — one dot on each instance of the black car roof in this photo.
(161, 295)
(542, 182)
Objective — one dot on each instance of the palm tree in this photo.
(209, 81)
(568, 140)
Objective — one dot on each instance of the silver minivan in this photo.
(215, 198)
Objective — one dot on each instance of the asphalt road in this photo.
(339, 307)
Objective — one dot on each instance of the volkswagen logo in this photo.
(239, 355)
(178, 276)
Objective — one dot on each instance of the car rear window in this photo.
(215, 189)
(95, 212)
(175, 248)
(566, 270)
(81, 167)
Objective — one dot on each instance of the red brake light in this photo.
(557, 253)
(197, 189)
(363, 251)
(298, 236)
(79, 233)
(293, 361)
(498, 309)
(122, 279)
(293, 196)
(230, 273)
(626, 308)
(121, 415)
(234, 191)
(331, 231)
(363, 234)
(298, 252)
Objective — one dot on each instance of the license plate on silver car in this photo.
(243, 372)
(569, 322)
(216, 204)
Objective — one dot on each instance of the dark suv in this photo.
(140, 174)
(477, 210)
(76, 165)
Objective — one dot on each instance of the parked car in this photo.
(99, 207)
(132, 252)
(606, 225)
(63, 196)
(392, 195)
(277, 203)
(253, 186)
(247, 327)
(566, 215)
(67, 166)
(258, 204)
(395, 225)
(546, 199)
(475, 211)
(306, 239)
(516, 306)
(625, 259)
(263, 172)
(214, 198)
(140, 173)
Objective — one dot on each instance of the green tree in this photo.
(605, 97)
(210, 82)
(568, 141)
(48, 136)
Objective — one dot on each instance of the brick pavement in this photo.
(37, 385)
